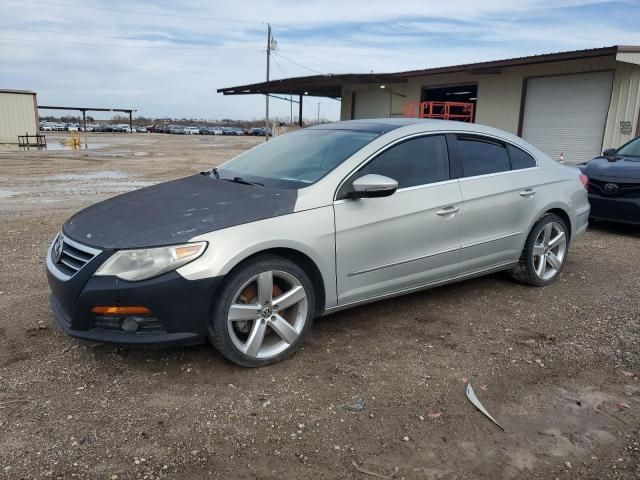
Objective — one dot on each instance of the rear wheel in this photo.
(544, 253)
(263, 312)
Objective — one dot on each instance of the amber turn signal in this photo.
(120, 310)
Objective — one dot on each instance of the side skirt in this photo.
(397, 293)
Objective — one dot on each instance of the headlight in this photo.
(134, 265)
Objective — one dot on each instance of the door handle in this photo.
(448, 211)
(527, 192)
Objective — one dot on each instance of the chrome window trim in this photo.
(495, 174)
(430, 133)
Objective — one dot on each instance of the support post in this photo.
(130, 121)
(266, 136)
(84, 126)
(300, 112)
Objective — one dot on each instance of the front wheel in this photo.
(544, 253)
(262, 312)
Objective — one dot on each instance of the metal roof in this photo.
(25, 92)
(331, 85)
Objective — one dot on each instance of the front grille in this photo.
(623, 190)
(73, 256)
(146, 325)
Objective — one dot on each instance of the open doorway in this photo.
(451, 93)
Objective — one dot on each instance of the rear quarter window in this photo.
(520, 159)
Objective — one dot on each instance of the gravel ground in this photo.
(557, 367)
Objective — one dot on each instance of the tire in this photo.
(253, 322)
(541, 262)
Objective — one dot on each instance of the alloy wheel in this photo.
(268, 314)
(549, 250)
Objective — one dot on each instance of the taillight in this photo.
(585, 181)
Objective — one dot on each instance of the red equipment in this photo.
(461, 111)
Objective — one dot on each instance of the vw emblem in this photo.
(57, 249)
(611, 187)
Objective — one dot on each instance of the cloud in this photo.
(168, 58)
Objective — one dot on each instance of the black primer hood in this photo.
(176, 211)
(622, 169)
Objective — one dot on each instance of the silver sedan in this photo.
(315, 221)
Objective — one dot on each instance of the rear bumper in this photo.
(615, 209)
(581, 224)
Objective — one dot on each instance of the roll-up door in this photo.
(567, 114)
(372, 104)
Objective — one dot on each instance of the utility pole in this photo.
(267, 95)
(318, 113)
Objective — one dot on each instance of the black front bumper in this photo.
(179, 307)
(615, 209)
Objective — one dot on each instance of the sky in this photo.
(168, 58)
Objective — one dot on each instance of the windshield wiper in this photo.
(213, 171)
(242, 181)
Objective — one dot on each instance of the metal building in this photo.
(572, 103)
(18, 114)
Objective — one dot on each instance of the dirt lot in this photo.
(556, 366)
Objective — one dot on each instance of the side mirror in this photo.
(373, 186)
(609, 152)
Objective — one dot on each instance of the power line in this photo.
(148, 12)
(299, 64)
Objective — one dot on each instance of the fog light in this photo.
(129, 324)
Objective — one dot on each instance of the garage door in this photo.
(567, 114)
(372, 104)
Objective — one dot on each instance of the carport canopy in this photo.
(315, 85)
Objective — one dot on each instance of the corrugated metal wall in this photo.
(625, 105)
(17, 116)
(499, 95)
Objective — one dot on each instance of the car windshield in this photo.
(631, 149)
(297, 159)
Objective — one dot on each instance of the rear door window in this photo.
(482, 156)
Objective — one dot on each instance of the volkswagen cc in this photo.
(315, 221)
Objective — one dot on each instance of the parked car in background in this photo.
(260, 132)
(191, 131)
(315, 221)
(614, 184)
(176, 129)
(46, 127)
(216, 131)
(141, 129)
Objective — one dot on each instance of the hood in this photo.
(621, 170)
(174, 212)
